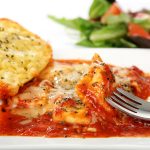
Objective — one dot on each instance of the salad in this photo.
(109, 26)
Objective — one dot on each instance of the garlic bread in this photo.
(23, 55)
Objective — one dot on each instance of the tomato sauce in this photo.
(45, 126)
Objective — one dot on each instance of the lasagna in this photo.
(68, 99)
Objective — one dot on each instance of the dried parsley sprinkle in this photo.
(2, 77)
(1, 29)
(26, 68)
(66, 80)
(64, 109)
(7, 55)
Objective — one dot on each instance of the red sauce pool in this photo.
(45, 126)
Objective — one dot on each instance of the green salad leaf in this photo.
(108, 32)
(83, 25)
(109, 43)
(71, 23)
(86, 43)
(98, 8)
(145, 23)
(127, 43)
(117, 19)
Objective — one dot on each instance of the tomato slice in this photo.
(137, 30)
(113, 10)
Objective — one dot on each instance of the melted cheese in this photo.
(54, 94)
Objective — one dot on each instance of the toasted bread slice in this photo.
(22, 56)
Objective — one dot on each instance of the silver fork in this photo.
(130, 104)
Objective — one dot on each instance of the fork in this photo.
(130, 104)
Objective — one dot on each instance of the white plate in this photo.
(33, 15)
(125, 57)
(120, 56)
(24, 143)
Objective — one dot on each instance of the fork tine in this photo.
(127, 101)
(131, 96)
(119, 107)
(123, 104)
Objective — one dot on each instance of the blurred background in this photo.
(33, 15)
